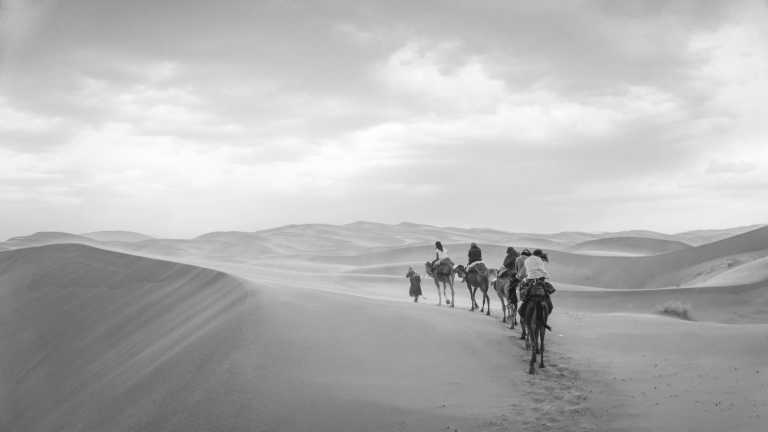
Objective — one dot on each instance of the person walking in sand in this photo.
(415, 290)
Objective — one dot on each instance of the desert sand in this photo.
(627, 246)
(310, 328)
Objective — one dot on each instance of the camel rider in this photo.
(475, 256)
(508, 267)
(441, 253)
(520, 264)
(536, 283)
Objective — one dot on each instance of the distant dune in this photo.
(354, 238)
(116, 236)
(752, 272)
(670, 269)
(44, 238)
(675, 268)
(700, 237)
(628, 246)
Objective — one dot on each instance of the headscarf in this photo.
(540, 253)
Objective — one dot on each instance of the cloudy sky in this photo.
(180, 117)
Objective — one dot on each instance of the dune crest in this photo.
(628, 246)
(87, 331)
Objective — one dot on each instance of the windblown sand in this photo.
(99, 340)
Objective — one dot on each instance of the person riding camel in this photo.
(536, 284)
(508, 270)
(508, 266)
(441, 252)
(520, 264)
(475, 256)
(441, 256)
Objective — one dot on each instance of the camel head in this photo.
(460, 271)
(428, 268)
(493, 274)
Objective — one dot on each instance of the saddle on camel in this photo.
(444, 267)
(441, 271)
(476, 263)
(536, 288)
(534, 291)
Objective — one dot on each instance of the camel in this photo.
(442, 272)
(536, 315)
(506, 289)
(474, 280)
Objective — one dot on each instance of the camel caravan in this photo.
(522, 276)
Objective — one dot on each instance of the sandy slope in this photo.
(633, 372)
(106, 341)
(45, 238)
(92, 340)
(95, 340)
(748, 273)
(673, 375)
(116, 236)
(671, 269)
(627, 246)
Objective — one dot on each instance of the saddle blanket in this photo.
(469, 267)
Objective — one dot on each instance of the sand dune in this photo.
(700, 237)
(45, 238)
(116, 236)
(95, 340)
(672, 375)
(361, 238)
(723, 304)
(319, 335)
(749, 273)
(671, 269)
(627, 246)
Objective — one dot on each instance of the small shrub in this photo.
(676, 309)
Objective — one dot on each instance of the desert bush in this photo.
(676, 309)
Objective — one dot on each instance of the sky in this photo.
(176, 118)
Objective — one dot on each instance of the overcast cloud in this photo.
(179, 117)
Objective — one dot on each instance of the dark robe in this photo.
(415, 279)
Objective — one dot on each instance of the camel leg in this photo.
(513, 312)
(442, 287)
(541, 345)
(503, 309)
(488, 298)
(453, 294)
(532, 363)
(439, 297)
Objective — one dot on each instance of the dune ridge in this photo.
(84, 331)
(357, 237)
(116, 236)
(628, 246)
(316, 335)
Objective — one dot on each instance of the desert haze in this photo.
(309, 327)
(403, 215)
